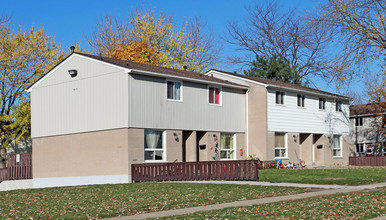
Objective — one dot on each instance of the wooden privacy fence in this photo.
(186, 171)
(19, 167)
(368, 161)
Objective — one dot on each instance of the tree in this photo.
(175, 47)
(378, 99)
(359, 25)
(24, 57)
(268, 31)
(275, 68)
(140, 52)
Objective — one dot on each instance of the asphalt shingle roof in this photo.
(282, 84)
(157, 69)
(367, 109)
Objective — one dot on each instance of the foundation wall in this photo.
(85, 158)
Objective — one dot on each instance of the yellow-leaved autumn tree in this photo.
(175, 47)
(24, 57)
(137, 51)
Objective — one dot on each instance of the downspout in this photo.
(313, 149)
(247, 122)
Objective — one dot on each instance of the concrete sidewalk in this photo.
(330, 189)
(299, 185)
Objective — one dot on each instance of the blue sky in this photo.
(70, 21)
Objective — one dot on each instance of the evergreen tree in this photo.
(274, 68)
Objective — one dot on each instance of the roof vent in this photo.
(72, 48)
(185, 68)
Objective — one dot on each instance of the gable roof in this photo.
(273, 83)
(142, 68)
(367, 109)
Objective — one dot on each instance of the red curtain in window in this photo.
(217, 100)
(211, 95)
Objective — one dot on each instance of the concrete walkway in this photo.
(328, 190)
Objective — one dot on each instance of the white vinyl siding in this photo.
(150, 108)
(96, 99)
(291, 118)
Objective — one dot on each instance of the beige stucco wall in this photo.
(241, 144)
(173, 146)
(329, 160)
(83, 154)
(190, 146)
(257, 122)
(305, 141)
(136, 143)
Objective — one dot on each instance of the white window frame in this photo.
(337, 149)
(362, 153)
(163, 149)
(302, 100)
(323, 107)
(220, 96)
(181, 90)
(338, 106)
(282, 148)
(358, 121)
(230, 149)
(282, 98)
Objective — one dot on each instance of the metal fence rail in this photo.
(368, 161)
(19, 167)
(186, 171)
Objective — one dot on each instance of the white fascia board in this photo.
(65, 61)
(148, 73)
(368, 115)
(236, 77)
(308, 92)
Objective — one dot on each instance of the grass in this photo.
(101, 201)
(350, 176)
(359, 205)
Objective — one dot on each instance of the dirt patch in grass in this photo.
(334, 178)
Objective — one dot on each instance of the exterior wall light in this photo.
(175, 136)
(73, 73)
(295, 138)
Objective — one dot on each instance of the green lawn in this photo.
(124, 199)
(350, 176)
(359, 205)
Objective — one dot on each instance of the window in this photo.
(214, 95)
(154, 149)
(337, 148)
(338, 106)
(173, 90)
(227, 146)
(301, 100)
(359, 149)
(359, 121)
(280, 145)
(280, 97)
(322, 103)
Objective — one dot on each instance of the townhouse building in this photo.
(291, 122)
(93, 116)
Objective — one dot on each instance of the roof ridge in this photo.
(159, 69)
(278, 83)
